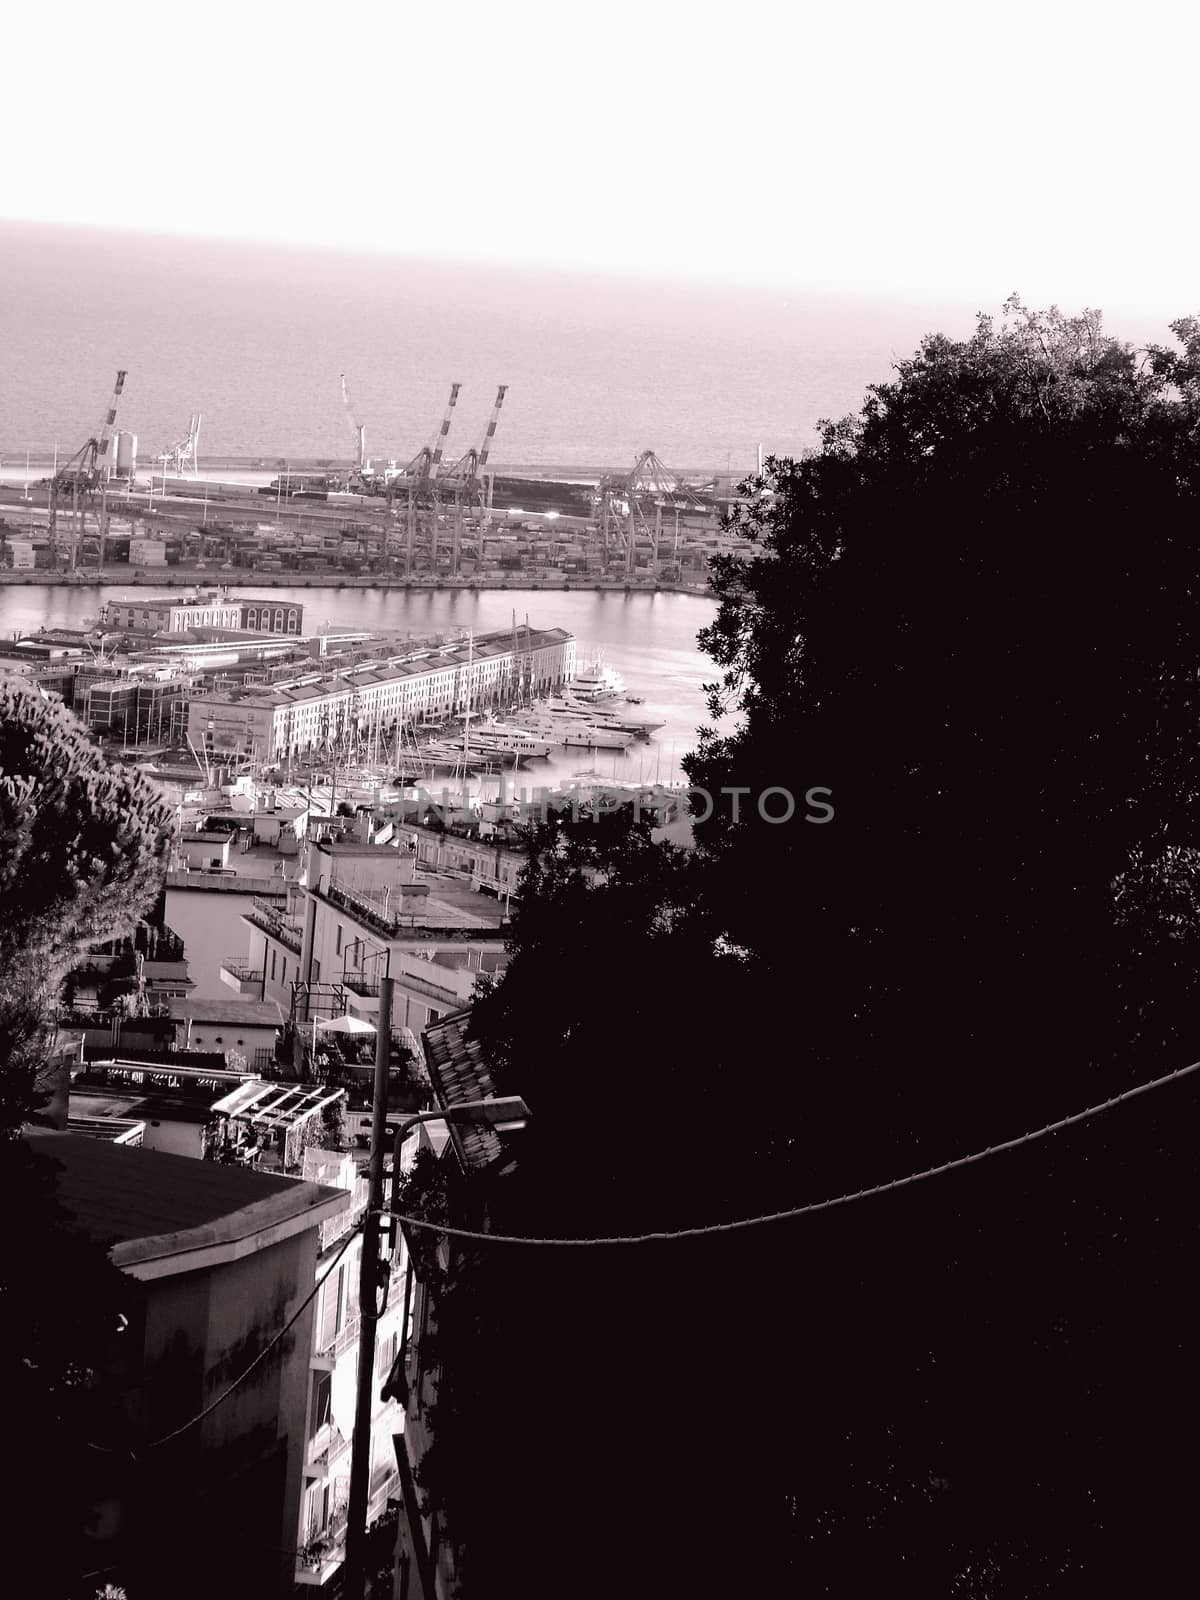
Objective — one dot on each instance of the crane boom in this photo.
(104, 437)
(436, 459)
(491, 430)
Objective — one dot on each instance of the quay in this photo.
(127, 577)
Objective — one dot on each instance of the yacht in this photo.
(597, 682)
(603, 716)
(502, 736)
(575, 732)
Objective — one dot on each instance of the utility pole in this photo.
(369, 1281)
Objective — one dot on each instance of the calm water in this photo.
(255, 338)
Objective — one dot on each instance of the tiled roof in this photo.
(459, 1071)
(249, 1013)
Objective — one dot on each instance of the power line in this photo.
(815, 1205)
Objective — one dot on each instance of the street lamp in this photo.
(504, 1112)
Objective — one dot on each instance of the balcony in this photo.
(321, 1558)
(282, 926)
(337, 1227)
(236, 974)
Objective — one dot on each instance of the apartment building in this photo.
(333, 1372)
(425, 1548)
(218, 1259)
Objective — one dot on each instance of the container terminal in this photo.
(431, 519)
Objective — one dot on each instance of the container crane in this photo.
(419, 480)
(87, 470)
(467, 476)
(183, 452)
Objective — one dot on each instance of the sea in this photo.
(255, 338)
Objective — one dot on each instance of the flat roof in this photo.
(146, 1205)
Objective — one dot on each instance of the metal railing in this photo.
(238, 967)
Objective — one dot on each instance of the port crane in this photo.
(467, 478)
(632, 506)
(87, 470)
(419, 481)
(182, 453)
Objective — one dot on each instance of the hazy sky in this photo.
(934, 147)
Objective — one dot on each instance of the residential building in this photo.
(371, 910)
(205, 849)
(332, 1383)
(218, 1260)
(206, 1112)
(425, 1549)
(247, 1027)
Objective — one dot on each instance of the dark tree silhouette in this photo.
(970, 616)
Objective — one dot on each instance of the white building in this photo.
(321, 1542)
(297, 715)
(173, 613)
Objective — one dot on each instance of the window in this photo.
(337, 950)
(272, 966)
(322, 1392)
(339, 1316)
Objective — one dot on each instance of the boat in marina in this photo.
(597, 682)
(602, 716)
(506, 736)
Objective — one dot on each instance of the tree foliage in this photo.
(83, 847)
(969, 614)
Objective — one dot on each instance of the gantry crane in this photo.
(626, 502)
(183, 452)
(86, 471)
(467, 480)
(418, 481)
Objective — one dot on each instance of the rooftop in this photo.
(150, 1208)
(248, 1013)
(459, 1072)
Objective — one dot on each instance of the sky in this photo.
(928, 148)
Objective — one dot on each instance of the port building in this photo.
(274, 723)
(183, 613)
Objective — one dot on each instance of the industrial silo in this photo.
(126, 455)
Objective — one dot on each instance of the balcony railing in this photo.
(237, 973)
(280, 925)
(322, 1557)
